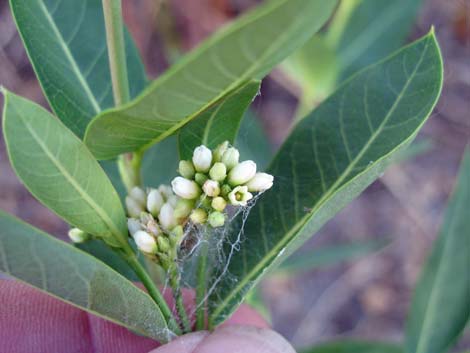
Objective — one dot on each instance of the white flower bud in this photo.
(186, 169)
(219, 151)
(133, 207)
(218, 203)
(230, 157)
(242, 173)
(155, 202)
(183, 209)
(166, 191)
(202, 159)
(260, 182)
(166, 216)
(240, 196)
(187, 189)
(145, 242)
(138, 195)
(211, 188)
(216, 219)
(78, 235)
(218, 172)
(173, 200)
(133, 225)
(198, 216)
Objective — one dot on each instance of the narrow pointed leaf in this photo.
(351, 346)
(219, 123)
(66, 43)
(331, 157)
(59, 171)
(441, 304)
(376, 28)
(247, 49)
(75, 277)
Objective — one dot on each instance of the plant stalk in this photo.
(339, 22)
(178, 295)
(116, 50)
(201, 288)
(154, 293)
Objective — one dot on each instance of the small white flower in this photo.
(260, 182)
(78, 235)
(186, 169)
(187, 189)
(202, 159)
(155, 202)
(133, 207)
(240, 196)
(218, 172)
(133, 225)
(145, 242)
(211, 188)
(230, 157)
(166, 191)
(166, 216)
(242, 173)
(138, 195)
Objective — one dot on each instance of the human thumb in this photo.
(229, 339)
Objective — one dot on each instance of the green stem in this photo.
(339, 22)
(154, 293)
(177, 294)
(201, 288)
(116, 50)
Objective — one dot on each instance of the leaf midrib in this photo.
(101, 213)
(303, 221)
(70, 57)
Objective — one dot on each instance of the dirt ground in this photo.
(367, 298)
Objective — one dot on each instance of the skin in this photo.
(31, 321)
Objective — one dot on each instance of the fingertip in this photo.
(184, 344)
(246, 339)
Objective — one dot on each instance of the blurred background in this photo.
(367, 294)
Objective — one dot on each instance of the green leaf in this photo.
(441, 303)
(104, 253)
(247, 49)
(315, 67)
(351, 346)
(219, 123)
(331, 255)
(75, 277)
(66, 43)
(329, 159)
(376, 28)
(59, 171)
(252, 141)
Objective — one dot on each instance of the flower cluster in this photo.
(214, 179)
(156, 219)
